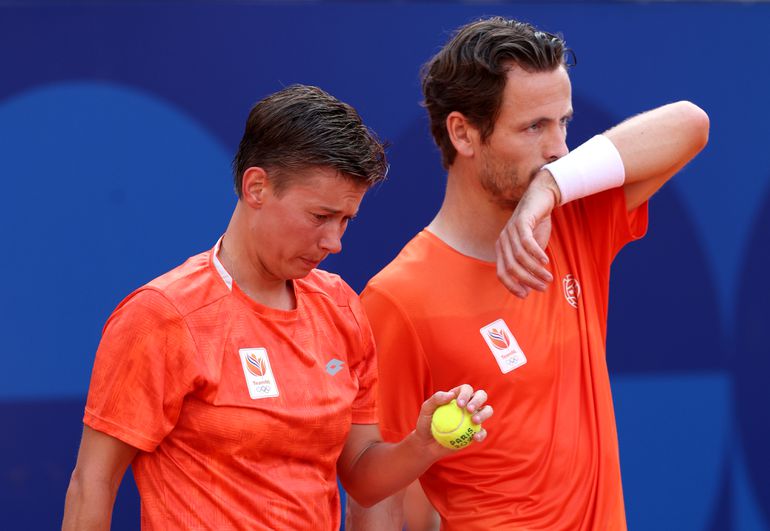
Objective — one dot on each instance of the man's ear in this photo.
(464, 136)
(254, 186)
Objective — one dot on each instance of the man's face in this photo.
(300, 227)
(531, 130)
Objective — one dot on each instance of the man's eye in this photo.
(534, 127)
(321, 217)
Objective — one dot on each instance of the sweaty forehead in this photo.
(532, 93)
(330, 191)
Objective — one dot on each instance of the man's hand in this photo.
(521, 258)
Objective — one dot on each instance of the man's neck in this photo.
(468, 220)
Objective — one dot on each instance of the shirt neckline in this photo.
(238, 293)
(438, 242)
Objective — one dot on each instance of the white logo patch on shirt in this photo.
(259, 376)
(571, 288)
(503, 345)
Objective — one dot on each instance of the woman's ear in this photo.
(254, 184)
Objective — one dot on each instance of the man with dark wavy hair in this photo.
(507, 287)
(240, 384)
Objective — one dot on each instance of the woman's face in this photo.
(296, 229)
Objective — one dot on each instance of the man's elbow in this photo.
(695, 123)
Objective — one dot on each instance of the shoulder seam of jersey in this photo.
(182, 316)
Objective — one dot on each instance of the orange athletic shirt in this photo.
(441, 319)
(174, 376)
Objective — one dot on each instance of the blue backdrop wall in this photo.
(118, 123)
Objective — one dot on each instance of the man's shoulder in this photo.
(412, 275)
(412, 260)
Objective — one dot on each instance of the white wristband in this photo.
(592, 167)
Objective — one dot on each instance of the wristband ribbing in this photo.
(592, 167)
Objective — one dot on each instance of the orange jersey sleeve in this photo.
(141, 372)
(406, 368)
(363, 362)
(607, 222)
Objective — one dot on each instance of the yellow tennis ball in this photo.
(452, 426)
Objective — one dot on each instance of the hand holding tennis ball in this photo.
(453, 418)
(452, 426)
